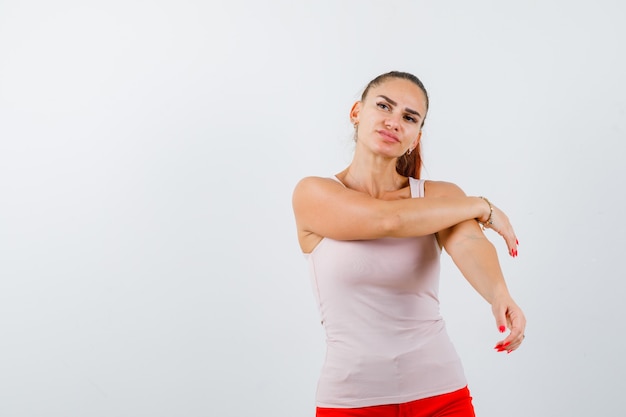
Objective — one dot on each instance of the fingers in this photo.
(512, 245)
(509, 344)
(501, 321)
(517, 323)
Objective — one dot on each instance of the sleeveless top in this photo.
(386, 342)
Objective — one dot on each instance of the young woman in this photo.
(373, 235)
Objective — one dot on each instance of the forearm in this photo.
(476, 258)
(423, 216)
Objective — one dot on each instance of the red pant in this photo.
(454, 404)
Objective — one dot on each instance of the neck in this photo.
(376, 177)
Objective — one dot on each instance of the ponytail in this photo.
(410, 165)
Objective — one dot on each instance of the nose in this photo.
(392, 122)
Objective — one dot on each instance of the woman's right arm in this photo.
(325, 208)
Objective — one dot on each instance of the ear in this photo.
(416, 142)
(354, 113)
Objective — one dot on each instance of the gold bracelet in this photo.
(489, 221)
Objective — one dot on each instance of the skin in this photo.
(375, 202)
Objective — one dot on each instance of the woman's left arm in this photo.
(476, 258)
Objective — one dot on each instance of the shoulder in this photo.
(313, 185)
(442, 189)
(315, 181)
(310, 191)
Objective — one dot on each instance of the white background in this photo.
(148, 151)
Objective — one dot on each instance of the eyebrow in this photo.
(393, 103)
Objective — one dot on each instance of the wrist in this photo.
(500, 296)
(486, 219)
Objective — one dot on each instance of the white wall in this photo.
(148, 150)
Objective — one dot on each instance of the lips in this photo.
(388, 135)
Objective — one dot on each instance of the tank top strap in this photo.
(334, 177)
(417, 187)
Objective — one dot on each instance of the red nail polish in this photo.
(502, 329)
(506, 344)
(516, 242)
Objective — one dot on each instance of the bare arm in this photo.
(477, 260)
(325, 208)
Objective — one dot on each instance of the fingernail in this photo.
(502, 329)
(506, 344)
(516, 242)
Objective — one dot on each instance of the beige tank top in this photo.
(386, 340)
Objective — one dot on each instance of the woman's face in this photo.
(390, 118)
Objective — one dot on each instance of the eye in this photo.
(383, 106)
(410, 119)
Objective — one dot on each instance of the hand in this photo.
(509, 315)
(497, 221)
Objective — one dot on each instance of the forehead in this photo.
(404, 92)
